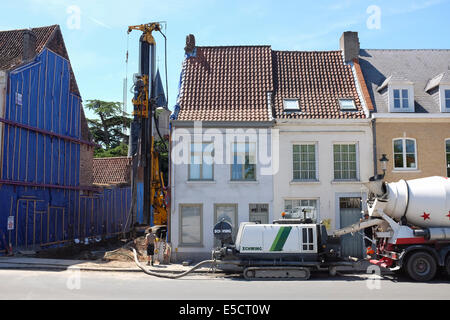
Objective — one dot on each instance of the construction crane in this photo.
(145, 159)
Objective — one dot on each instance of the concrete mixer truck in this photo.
(411, 221)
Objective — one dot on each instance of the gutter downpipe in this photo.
(374, 142)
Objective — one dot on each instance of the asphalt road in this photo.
(23, 284)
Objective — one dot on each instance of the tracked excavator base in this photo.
(276, 273)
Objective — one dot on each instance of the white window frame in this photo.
(442, 99)
(316, 177)
(291, 100)
(201, 164)
(400, 87)
(352, 108)
(357, 178)
(404, 168)
(250, 155)
(180, 222)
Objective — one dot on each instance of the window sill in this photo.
(402, 111)
(201, 181)
(345, 181)
(406, 170)
(243, 181)
(304, 182)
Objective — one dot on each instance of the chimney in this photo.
(190, 44)
(29, 45)
(349, 44)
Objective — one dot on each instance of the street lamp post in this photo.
(383, 160)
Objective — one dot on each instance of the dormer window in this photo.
(400, 98)
(439, 88)
(444, 97)
(291, 104)
(400, 93)
(447, 99)
(347, 104)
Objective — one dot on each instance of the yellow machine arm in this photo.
(147, 29)
(158, 191)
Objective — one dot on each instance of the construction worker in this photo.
(150, 240)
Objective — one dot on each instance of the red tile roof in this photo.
(11, 45)
(115, 170)
(227, 84)
(318, 79)
(231, 84)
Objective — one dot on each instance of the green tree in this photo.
(107, 131)
(161, 146)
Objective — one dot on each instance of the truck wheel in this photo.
(421, 266)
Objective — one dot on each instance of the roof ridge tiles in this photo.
(25, 29)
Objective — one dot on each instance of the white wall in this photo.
(208, 193)
(326, 191)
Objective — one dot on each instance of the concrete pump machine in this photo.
(410, 220)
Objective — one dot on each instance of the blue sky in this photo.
(96, 38)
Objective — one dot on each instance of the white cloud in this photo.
(99, 23)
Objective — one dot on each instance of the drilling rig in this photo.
(145, 159)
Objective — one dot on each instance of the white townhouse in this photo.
(220, 146)
(325, 136)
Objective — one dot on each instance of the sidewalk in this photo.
(83, 265)
(119, 266)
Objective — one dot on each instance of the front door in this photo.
(350, 213)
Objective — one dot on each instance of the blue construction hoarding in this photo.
(41, 199)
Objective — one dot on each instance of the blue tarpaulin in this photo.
(40, 191)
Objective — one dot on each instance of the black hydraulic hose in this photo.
(165, 65)
(169, 276)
